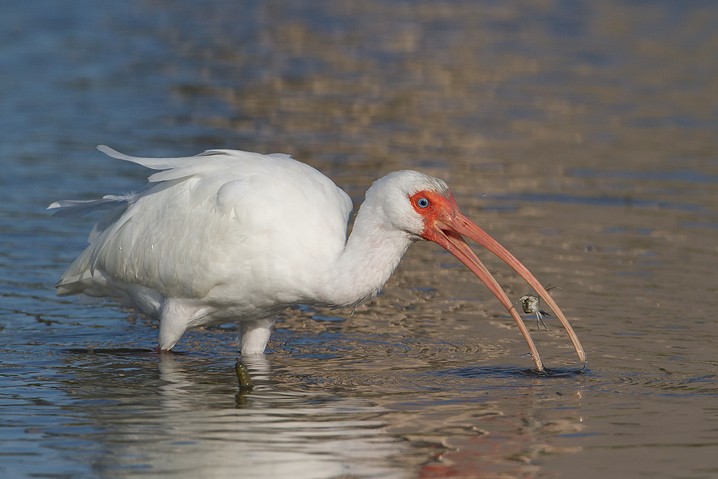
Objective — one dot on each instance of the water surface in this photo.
(582, 135)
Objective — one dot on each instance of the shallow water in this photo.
(582, 135)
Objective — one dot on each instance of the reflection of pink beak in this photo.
(447, 232)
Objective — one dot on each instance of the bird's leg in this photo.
(243, 377)
(255, 336)
(250, 370)
(173, 322)
(539, 319)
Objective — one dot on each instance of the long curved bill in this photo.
(449, 236)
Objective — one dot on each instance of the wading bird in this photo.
(236, 236)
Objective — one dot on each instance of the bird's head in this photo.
(424, 207)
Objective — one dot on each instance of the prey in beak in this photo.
(446, 226)
(531, 304)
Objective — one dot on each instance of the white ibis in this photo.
(236, 236)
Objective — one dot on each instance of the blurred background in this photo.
(582, 135)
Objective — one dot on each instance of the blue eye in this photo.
(422, 202)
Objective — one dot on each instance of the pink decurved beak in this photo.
(447, 231)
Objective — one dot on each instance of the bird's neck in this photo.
(372, 253)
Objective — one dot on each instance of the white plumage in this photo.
(236, 236)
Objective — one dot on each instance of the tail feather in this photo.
(175, 168)
(69, 208)
(151, 163)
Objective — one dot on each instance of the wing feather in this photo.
(216, 220)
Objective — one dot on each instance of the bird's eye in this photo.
(422, 202)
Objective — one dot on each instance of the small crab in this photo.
(531, 304)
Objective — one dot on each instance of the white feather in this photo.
(232, 235)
